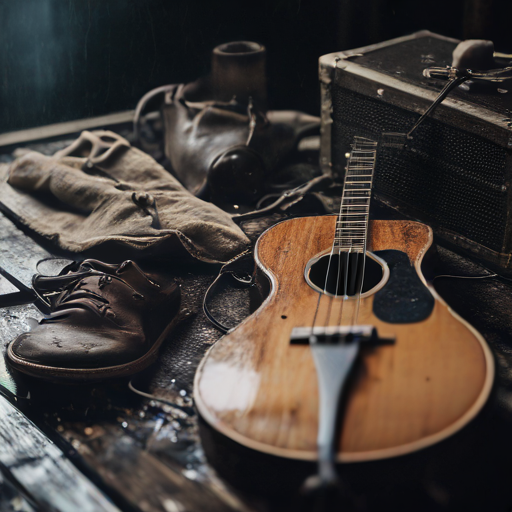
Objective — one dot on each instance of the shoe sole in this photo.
(57, 374)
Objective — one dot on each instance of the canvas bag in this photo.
(104, 197)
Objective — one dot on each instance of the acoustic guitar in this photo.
(349, 315)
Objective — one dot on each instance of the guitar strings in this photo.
(345, 280)
(370, 159)
(363, 254)
(320, 294)
(348, 210)
(358, 300)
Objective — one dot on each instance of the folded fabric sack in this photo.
(103, 197)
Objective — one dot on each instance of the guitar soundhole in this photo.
(341, 271)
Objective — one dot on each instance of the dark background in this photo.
(68, 59)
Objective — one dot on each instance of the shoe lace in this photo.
(69, 291)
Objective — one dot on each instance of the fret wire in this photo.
(352, 221)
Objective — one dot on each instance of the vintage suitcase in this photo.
(455, 172)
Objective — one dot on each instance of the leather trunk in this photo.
(455, 173)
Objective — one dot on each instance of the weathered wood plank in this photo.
(6, 287)
(18, 255)
(14, 320)
(145, 478)
(42, 469)
(12, 499)
(25, 452)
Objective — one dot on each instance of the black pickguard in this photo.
(404, 299)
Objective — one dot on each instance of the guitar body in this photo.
(261, 391)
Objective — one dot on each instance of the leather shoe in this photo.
(107, 321)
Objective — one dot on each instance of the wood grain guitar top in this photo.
(261, 391)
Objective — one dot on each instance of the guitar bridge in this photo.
(338, 334)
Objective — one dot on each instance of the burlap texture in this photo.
(100, 195)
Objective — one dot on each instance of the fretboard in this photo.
(352, 222)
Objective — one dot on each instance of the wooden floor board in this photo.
(42, 469)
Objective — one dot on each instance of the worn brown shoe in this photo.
(107, 321)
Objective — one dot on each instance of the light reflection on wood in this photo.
(403, 397)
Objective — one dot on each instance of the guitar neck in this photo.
(352, 223)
